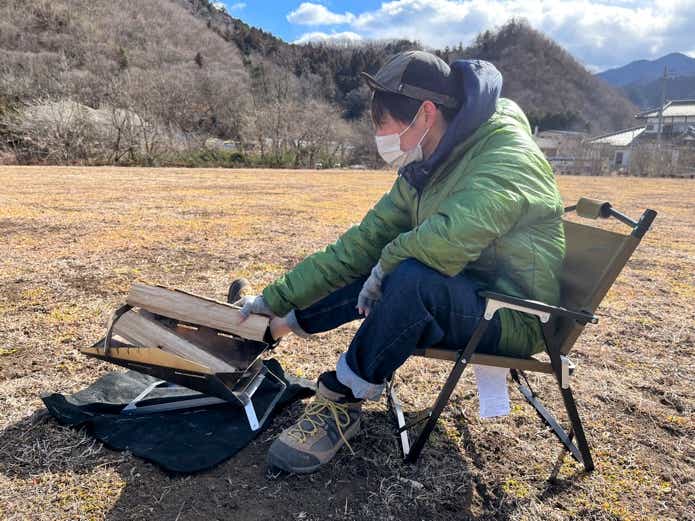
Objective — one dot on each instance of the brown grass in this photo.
(73, 240)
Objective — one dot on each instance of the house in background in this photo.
(678, 121)
(663, 144)
(615, 147)
(562, 149)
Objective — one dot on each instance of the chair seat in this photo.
(523, 364)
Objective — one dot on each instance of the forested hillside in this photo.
(182, 82)
(554, 89)
(147, 58)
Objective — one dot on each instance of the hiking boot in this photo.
(325, 426)
(237, 289)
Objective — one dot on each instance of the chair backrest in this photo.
(594, 258)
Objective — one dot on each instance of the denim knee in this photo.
(409, 274)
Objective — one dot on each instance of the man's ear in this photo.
(430, 110)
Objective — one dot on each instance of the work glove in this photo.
(255, 304)
(371, 290)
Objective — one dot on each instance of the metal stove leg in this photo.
(133, 404)
(246, 398)
(251, 416)
(198, 400)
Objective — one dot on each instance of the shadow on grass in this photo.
(373, 484)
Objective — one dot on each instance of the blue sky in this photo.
(600, 33)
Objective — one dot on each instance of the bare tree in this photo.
(62, 131)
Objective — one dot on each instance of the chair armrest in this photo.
(542, 310)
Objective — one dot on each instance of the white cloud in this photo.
(320, 37)
(237, 6)
(309, 13)
(600, 33)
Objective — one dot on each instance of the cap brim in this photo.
(411, 91)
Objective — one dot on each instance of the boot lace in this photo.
(317, 414)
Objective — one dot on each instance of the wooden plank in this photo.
(233, 351)
(144, 331)
(194, 309)
(149, 356)
(523, 364)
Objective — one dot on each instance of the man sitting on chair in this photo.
(475, 206)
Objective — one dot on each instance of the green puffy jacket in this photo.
(492, 208)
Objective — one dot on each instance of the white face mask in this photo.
(389, 147)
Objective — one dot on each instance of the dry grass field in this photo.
(74, 239)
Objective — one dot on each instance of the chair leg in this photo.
(549, 420)
(439, 405)
(560, 460)
(577, 428)
(553, 351)
(443, 398)
(580, 451)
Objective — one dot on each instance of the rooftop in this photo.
(676, 108)
(621, 138)
(551, 132)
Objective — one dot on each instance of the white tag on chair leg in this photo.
(493, 392)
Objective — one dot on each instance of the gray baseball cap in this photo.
(415, 74)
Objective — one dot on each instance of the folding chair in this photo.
(594, 258)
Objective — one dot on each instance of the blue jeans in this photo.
(419, 308)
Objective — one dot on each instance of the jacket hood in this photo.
(477, 84)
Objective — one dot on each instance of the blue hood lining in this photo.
(478, 86)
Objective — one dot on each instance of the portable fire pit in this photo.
(189, 341)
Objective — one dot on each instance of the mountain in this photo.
(648, 95)
(646, 71)
(553, 88)
(642, 81)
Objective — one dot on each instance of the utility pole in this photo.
(659, 130)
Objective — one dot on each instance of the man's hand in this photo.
(371, 291)
(255, 304)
